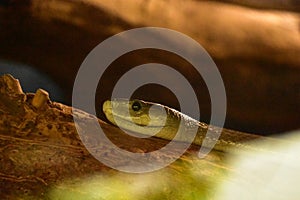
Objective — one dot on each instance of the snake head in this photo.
(136, 115)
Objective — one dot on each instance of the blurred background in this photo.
(255, 44)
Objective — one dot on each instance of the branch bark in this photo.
(40, 147)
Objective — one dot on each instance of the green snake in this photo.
(146, 117)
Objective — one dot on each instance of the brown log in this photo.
(40, 149)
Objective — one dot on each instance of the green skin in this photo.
(157, 120)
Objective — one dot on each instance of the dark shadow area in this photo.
(55, 37)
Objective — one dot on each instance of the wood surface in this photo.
(42, 156)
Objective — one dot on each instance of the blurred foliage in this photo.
(184, 179)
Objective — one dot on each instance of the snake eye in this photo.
(136, 106)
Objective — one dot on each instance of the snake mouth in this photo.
(120, 121)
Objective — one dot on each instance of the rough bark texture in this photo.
(38, 146)
(40, 149)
